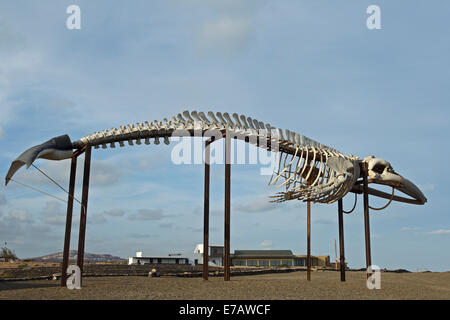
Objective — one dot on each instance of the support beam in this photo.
(335, 256)
(359, 190)
(341, 239)
(84, 203)
(227, 261)
(206, 211)
(65, 262)
(366, 216)
(308, 242)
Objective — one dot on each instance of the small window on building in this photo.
(300, 262)
(287, 263)
(252, 263)
(275, 263)
(263, 263)
(239, 262)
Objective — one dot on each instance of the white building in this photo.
(140, 259)
(215, 254)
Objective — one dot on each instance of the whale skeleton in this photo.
(307, 170)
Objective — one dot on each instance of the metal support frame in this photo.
(65, 263)
(84, 203)
(366, 215)
(341, 238)
(206, 210)
(227, 261)
(83, 216)
(85, 192)
(308, 242)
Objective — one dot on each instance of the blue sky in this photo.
(309, 66)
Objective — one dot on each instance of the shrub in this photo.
(8, 254)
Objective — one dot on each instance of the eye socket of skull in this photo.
(379, 168)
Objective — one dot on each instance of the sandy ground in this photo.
(324, 285)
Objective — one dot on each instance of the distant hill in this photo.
(88, 257)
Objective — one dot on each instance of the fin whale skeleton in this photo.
(307, 170)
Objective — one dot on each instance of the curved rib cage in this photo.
(315, 174)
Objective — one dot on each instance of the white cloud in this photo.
(439, 232)
(102, 173)
(266, 243)
(96, 219)
(2, 200)
(256, 205)
(409, 229)
(134, 235)
(427, 186)
(19, 216)
(231, 7)
(54, 213)
(167, 225)
(16, 60)
(115, 213)
(323, 221)
(226, 36)
(145, 163)
(230, 27)
(147, 214)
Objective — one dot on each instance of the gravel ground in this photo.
(285, 286)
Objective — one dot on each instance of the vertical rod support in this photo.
(84, 203)
(366, 216)
(65, 262)
(308, 241)
(341, 238)
(227, 207)
(206, 211)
